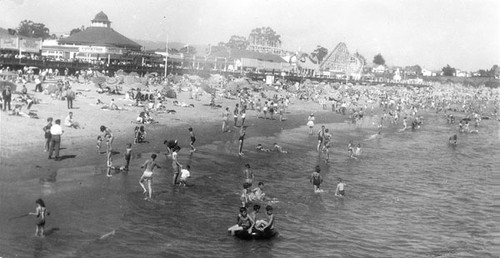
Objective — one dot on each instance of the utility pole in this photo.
(166, 57)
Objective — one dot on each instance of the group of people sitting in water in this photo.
(250, 223)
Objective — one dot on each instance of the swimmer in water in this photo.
(453, 140)
(316, 179)
(405, 124)
(350, 149)
(357, 150)
(261, 148)
(257, 193)
(279, 148)
(340, 191)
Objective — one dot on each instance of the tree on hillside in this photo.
(416, 69)
(264, 36)
(448, 71)
(217, 49)
(495, 71)
(237, 42)
(33, 30)
(379, 59)
(483, 73)
(74, 31)
(319, 53)
(188, 50)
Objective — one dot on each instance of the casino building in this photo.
(99, 42)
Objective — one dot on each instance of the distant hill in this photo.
(154, 45)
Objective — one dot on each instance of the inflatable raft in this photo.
(256, 234)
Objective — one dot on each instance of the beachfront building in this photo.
(99, 42)
(16, 46)
(245, 61)
(302, 64)
(340, 63)
(258, 62)
(427, 72)
(380, 69)
(460, 73)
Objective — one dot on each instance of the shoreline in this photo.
(79, 150)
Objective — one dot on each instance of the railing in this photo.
(17, 64)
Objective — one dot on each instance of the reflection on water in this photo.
(409, 194)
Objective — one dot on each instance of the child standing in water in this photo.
(241, 139)
(40, 213)
(128, 155)
(192, 139)
(310, 123)
(316, 179)
(249, 176)
(244, 194)
(109, 164)
(340, 191)
(176, 166)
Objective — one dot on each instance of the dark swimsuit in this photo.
(244, 222)
(317, 180)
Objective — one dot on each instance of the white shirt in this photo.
(56, 129)
(68, 121)
(185, 174)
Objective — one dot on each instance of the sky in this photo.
(431, 33)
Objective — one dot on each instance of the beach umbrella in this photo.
(4, 84)
(120, 72)
(111, 82)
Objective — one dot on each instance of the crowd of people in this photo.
(395, 106)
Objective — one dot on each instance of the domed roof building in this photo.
(101, 19)
(101, 38)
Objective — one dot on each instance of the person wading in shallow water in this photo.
(147, 176)
(241, 139)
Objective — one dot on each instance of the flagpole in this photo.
(166, 56)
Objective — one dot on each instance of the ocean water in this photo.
(409, 194)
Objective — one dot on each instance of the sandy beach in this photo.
(22, 137)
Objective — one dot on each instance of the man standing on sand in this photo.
(70, 96)
(236, 112)
(225, 119)
(55, 141)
